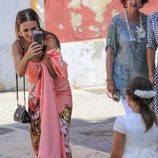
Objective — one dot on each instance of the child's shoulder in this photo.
(120, 125)
(129, 116)
(120, 118)
(122, 122)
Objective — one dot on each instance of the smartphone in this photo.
(38, 37)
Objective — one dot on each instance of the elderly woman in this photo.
(126, 49)
(152, 45)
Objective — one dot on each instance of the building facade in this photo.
(81, 26)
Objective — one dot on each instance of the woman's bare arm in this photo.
(21, 60)
(51, 44)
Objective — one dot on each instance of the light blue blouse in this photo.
(130, 57)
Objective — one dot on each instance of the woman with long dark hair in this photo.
(50, 99)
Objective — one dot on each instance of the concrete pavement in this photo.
(91, 133)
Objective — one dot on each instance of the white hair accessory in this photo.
(145, 94)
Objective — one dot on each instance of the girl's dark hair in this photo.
(141, 83)
(30, 15)
(124, 2)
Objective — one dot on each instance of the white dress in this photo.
(138, 144)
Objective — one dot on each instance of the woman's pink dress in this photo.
(50, 100)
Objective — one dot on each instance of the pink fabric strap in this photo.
(51, 141)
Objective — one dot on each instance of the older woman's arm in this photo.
(109, 70)
(111, 52)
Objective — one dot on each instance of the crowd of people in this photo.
(132, 77)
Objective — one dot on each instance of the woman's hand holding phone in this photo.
(34, 52)
(38, 38)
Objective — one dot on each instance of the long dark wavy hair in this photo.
(30, 15)
(145, 110)
(124, 2)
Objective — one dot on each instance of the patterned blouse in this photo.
(152, 42)
(152, 26)
(130, 57)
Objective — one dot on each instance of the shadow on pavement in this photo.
(97, 135)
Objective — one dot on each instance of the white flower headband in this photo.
(145, 94)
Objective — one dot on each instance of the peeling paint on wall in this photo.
(98, 7)
(81, 19)
(76, 20)
(75, 4)
(93, 28)
(84, 19)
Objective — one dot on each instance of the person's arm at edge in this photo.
(151, 63)
(117, 145)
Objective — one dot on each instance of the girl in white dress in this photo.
(136, 134)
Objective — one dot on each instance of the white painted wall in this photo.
(8, 10)
(86, 61)
(85, 58)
